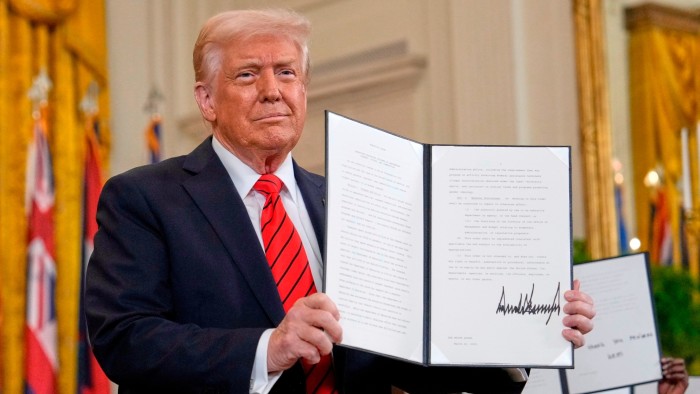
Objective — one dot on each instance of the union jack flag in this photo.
(40, 330)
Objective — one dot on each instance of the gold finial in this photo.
(90, 104)
(39, 92)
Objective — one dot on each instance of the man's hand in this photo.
(580, 311)
(675, 380)
(308, 331)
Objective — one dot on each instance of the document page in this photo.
(541, 381)
(374, 269)
(501, 255)
(623, 349)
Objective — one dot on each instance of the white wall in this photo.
(439, 71)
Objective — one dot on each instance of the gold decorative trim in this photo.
(46, 11)
(594, 129)
(663, 16)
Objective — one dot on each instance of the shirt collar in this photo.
(244, 177)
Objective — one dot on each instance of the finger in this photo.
(302, 351)
(328, 321)
(574, 336)
(676, 370)
(334, 331)
(578, 322)
(678, 362)
(673, 364)
(312, 320)
(323, 302)
(309, 352)
(579, 308)
(314, 326)
(675, 376)
(285, 348)
(578, 295)
(318, 339)
(300, 315)
(577, 285)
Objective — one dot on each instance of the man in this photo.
(184, 289)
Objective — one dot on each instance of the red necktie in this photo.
(290, 268)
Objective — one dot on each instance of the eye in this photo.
(287, 72)
(245, 75)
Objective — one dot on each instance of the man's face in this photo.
(259, 98)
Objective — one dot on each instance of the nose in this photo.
(268, 86)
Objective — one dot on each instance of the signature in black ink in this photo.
(526, 307)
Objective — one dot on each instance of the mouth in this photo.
(271, 117)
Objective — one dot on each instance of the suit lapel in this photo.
(313, 189)
(212, 190)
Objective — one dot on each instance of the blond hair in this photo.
(242, 24)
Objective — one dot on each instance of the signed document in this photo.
(623, 349)
(448, 255)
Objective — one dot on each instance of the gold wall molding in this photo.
(594, 129)
(45, 11)
(663, 16)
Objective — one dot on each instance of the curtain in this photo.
(67, 39)
(664, 95)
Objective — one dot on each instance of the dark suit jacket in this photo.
(178, 290)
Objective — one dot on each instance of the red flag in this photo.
(661, 242)
(41, 344)
(91, 378)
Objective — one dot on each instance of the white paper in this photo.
(623, 348)
(543, 381)
(375, 238)
(650, 388)
(693, 385)
(501, 255)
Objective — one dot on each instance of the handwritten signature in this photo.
(525, 305)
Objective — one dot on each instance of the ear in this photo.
(205, 101)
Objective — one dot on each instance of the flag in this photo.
(661, 239)
(91, 378)
(621, 222)
(153, 138)
(41, 344)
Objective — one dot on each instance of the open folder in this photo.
(448, 254)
